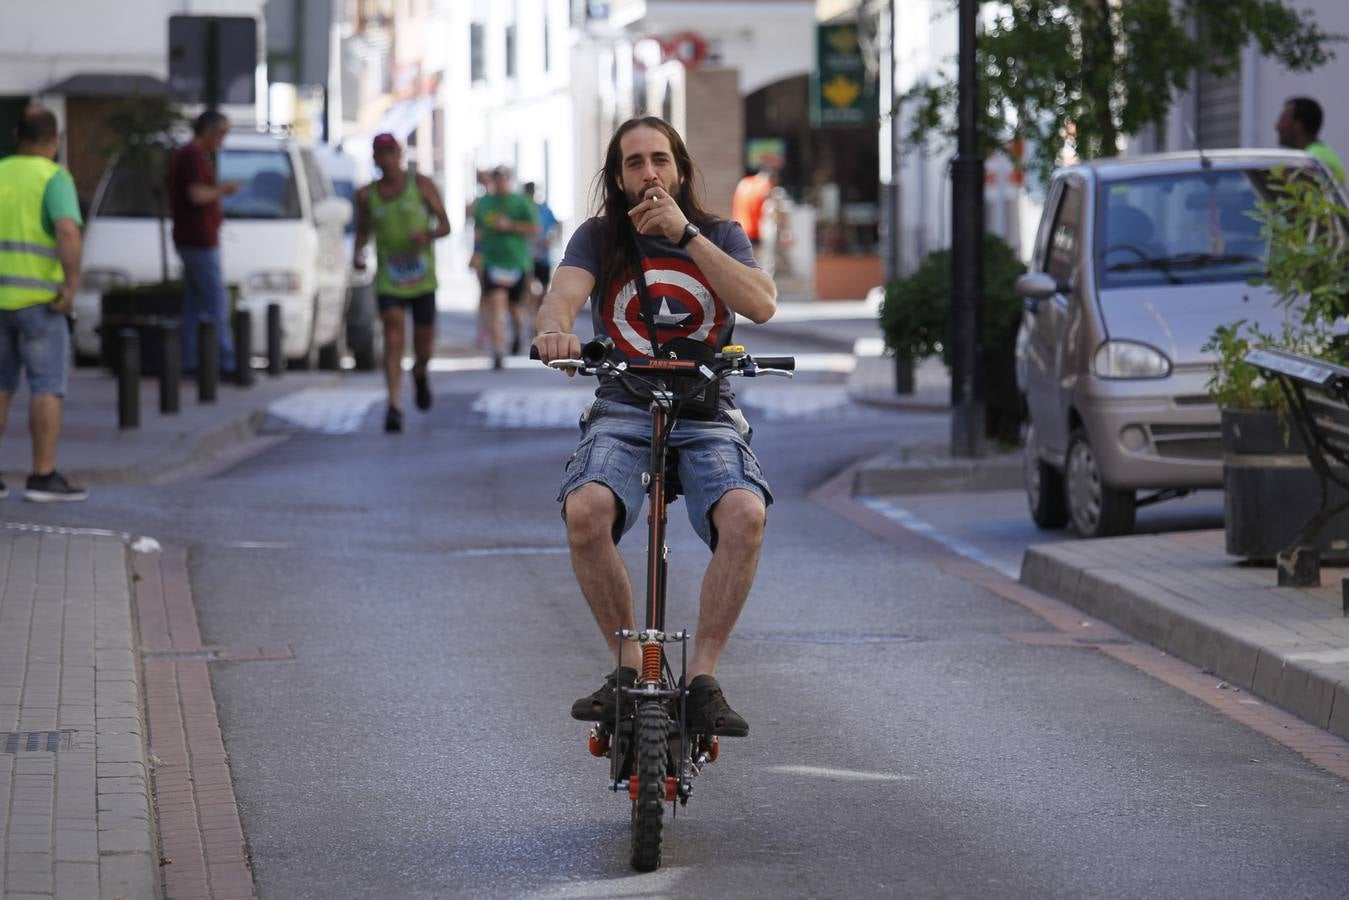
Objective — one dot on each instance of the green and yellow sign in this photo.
(842, 91)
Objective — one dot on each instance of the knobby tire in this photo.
(649, 768)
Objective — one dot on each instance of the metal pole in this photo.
(208, 362)
(171, 367)
(276, 359)
(128, 379)
(243, 348)
(967, 234)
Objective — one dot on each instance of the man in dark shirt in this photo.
(700, 274)
(195, 196)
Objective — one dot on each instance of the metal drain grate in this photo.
(36, 741)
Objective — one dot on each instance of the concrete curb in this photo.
(1239, 650)
(936, 474)
(204, 446)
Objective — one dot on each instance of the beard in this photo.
(635, 198)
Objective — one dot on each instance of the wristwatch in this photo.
(691, 231)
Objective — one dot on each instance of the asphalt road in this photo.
(903, 743)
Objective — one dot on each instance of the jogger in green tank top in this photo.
(404, 213)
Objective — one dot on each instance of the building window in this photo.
(510, 51)
(476, 39)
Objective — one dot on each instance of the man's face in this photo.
(501, 182)
(1289, 129)
(215, 136)
(389, 159)
(646, 161)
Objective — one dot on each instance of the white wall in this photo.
(43, 42)
(766, 41)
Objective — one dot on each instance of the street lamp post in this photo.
(967, 270)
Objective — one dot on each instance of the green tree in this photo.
(1081, 73)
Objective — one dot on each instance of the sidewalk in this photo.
(94, 452)
(75, 813)
(1182, 593)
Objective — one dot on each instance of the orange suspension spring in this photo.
(651, 662)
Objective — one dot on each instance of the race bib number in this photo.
(407, 269)
(503, 277)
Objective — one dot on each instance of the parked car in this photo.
(281, 242)
(1135, 263)
(363, 335)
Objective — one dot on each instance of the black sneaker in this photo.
(393, 420)
(423, 384)
(708, 711)
(515, 345)
(599, 706)
(497, 362)
(4, 491)
(53, 488)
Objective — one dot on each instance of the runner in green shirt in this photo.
(505, 221)
(1299, 127)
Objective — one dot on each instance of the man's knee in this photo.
(739, 518)
(591, 510)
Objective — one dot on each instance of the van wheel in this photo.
(1044, 484)
(309, 361)
(330, 356)
(1094, 508)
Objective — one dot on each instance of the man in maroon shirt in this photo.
(195, 196)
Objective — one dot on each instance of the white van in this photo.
(281, 242)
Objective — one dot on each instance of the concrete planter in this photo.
(1271, 490)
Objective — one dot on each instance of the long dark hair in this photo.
(619, 255)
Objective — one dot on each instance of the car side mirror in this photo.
(332, 211)
(1034, 287)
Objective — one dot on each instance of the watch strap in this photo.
(691, 231)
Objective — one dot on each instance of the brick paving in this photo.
(75, 813)
(200, 833)
(1182, 593)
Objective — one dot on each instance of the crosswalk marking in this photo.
(337, 410)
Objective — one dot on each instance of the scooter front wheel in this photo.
(650, 765)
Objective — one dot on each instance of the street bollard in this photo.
(128, 379)
(208, 362)
(276, 360)
(243, 348)
(170, 366)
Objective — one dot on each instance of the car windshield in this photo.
(1180, 229)
(133, 188)
(267, 187)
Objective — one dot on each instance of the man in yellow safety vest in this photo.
(39, 274)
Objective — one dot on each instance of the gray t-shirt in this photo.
(684, 304)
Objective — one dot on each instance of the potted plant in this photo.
(915, 320)
(1270, 490)
(143, 127)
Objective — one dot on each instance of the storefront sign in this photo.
(842, 91)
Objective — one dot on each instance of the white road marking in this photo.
(905, 519)
(840, 774)
(327, 410)
(506, 551)
(532, 408)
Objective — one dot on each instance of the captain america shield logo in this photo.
(683, 306)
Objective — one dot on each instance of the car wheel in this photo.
(330, 355)
(363, 351)
(1094, 508)
(1044, 484)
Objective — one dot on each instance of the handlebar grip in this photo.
(533, 352)
(787, 363)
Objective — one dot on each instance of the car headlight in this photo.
(285, 281)
(101, 280)
(1127, 359)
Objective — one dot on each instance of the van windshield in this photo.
(1181, 229)
(267, 188)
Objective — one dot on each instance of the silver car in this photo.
(1136, 262)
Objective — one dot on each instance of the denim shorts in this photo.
(615, 451)
(36, 340)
